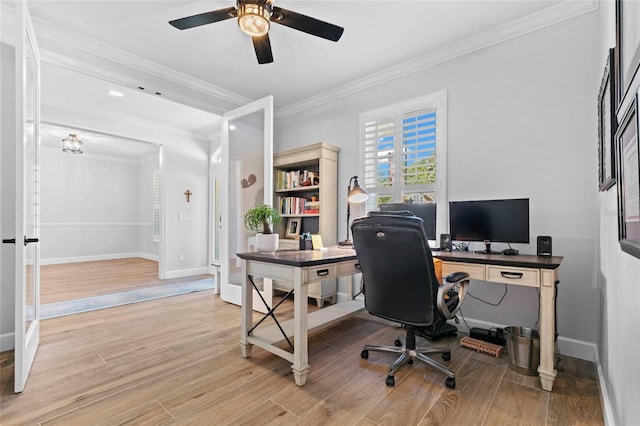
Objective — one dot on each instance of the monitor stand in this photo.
(487, 250)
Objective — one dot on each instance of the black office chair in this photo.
(399, 284)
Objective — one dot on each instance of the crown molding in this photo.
(78, 42)
(544, 18)
(102, 114)
(103, 157)
(74, 41)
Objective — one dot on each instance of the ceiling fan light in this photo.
(72, 144)
(253, 19)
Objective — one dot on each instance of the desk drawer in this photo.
(476, 272)
(518, 276)
(321, 272)
(348, 268)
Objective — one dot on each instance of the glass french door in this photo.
(27, 226)
(247, 162)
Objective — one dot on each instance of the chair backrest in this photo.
(395, 259)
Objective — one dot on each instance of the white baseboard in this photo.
(566, 346)
(607, 408)
(179, 273)
(7, 342)
(60, 260)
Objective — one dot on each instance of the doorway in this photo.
(98, 214)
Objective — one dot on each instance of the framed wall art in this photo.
(607, 124)
(627, 45)
(627, 149)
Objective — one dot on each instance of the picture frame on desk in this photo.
(293, 227)
(607, 126)
(628, 177)
(627, 55)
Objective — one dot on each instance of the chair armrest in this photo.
(457, 283)
(456, 276)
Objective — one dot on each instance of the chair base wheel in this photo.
(364, 354)
(391, 381)
(397, 342)
(446, 356)
(451, 383)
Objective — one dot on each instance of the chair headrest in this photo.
(391, 213)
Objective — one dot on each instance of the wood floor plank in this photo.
(468, 403)
(143, 413)
(68, 281)
(515, 404)
(348, 403)
(177, 361)
(267, 413)
(409, 405)
(574, 402)
(229, 406)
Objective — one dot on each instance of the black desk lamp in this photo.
(355, 194)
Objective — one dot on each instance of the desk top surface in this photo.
(302, 258)
(335, 254)
(521, 260)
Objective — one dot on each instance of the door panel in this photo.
(27, 230)
(246, 151)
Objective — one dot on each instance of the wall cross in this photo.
(188, 194)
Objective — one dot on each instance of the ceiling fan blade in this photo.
(306, 24)
(204, 18)
(262, 46)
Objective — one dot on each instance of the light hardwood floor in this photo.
(70, 281)
(177, 361)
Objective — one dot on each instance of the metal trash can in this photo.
(523, 345)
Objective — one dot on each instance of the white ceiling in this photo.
(96, 144)
(379, 36)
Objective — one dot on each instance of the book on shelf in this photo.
(294, 179)
(292, 205)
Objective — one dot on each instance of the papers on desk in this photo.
(316, 242)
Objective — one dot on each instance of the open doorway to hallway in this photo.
(99, 215)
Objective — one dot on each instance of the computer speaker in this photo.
(445, 242)
(544, 245)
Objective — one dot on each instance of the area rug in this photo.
(59, 309)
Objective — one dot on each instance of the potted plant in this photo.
(260, 220)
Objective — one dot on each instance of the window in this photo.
(403, 149)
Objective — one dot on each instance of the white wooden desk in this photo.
(525, 270)
(300, 268)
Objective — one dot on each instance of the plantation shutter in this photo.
(403, 151)
(418, 156)
(379, 154)
(156, 206)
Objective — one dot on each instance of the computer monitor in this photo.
(425, 211)
(505, 221)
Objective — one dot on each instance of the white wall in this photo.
(90, 206)
(521, 124)
(619, 339)
(185, 167)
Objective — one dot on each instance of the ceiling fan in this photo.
(254, 17)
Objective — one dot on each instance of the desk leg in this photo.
(547, 370)
(246, 319)
(300, 365)
(350, 292)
